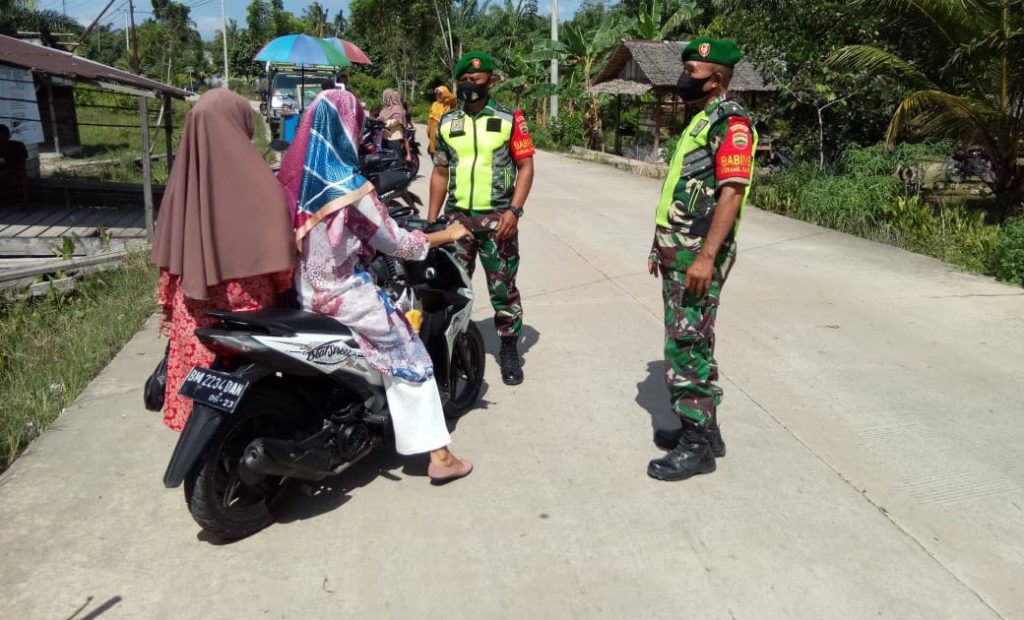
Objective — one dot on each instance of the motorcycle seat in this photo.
(284, 321)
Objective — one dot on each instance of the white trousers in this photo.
(417, 415)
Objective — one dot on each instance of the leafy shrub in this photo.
(847, 203)
(951, 233)
(880, 159)
(1006, 260)
(567, 130)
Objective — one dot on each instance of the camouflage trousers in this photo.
(691, 372)
(500, 260)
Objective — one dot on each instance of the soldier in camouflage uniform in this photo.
(694, 249)
(483, 171)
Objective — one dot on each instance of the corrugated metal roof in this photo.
(50, 61)
(660, 62)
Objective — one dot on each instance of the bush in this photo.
(848, 203)
(880, 159)
(567, 130)
(871, 206)
(1006, 260)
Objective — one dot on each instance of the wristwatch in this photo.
(517, 211)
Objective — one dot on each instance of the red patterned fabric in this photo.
(184, 316)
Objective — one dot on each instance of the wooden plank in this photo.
(73, 265)
(75, 216)
(90, 225)
(128, 225)
(12, 218)
(39, 228)
(27, 222)
(79, 218)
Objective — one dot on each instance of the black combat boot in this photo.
(691, 457)
(508, 358)
(667, 439)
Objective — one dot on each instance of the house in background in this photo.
(639, 68)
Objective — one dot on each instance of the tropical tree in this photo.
(663, 19)
(969, 88)
(582, 50)
(316, 21)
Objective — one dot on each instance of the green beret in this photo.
(474, 62)
(719, 51)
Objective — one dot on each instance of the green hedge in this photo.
(862, 199)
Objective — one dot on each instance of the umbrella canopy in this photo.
(351, 50)
(302, 49)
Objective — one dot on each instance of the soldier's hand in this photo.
(507, 224)
(698, 276)
(652, 266)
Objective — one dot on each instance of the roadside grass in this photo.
(51, 349)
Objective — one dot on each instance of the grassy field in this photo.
(116, 151)
(51, 349)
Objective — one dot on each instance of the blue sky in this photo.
(206, 13)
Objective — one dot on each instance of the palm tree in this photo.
(316, 21)
(972, 91)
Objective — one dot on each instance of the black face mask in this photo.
(470, 92)
(690, 88)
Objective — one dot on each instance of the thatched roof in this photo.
(636, 67)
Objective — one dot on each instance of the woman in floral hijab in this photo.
(339, 224)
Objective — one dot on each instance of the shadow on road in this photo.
(527, 338)
(96, 613)
(652, 395)
(312, 499)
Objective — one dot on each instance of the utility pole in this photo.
(554, 61)
(135, 39)
(127, 40)
(224, 37)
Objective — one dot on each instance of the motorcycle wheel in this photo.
(466, 378)
(216, 496)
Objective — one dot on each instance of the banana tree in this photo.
(976, 92)
(650, 24)
(583, 50)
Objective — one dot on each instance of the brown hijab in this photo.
(224, 215)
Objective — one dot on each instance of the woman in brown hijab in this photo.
(223, 236)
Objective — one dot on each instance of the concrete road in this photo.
(875, 464)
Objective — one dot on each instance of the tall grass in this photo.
(861, 198)
(51, 349)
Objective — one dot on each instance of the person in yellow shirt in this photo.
(444, 102)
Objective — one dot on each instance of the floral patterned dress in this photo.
(333, 279)
(185, 315)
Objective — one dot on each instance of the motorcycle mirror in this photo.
(278, 145)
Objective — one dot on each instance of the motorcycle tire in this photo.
(217, 499)
(466, 378)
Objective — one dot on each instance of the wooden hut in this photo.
(638, 68)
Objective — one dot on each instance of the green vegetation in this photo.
(864, 197)
(51, 349)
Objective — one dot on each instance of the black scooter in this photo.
(290, 395)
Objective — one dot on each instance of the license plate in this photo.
(214, 389)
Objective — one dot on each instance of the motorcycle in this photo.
(387, 169)
(965, 164)
(290, 397)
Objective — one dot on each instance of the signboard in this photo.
(19, 109)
